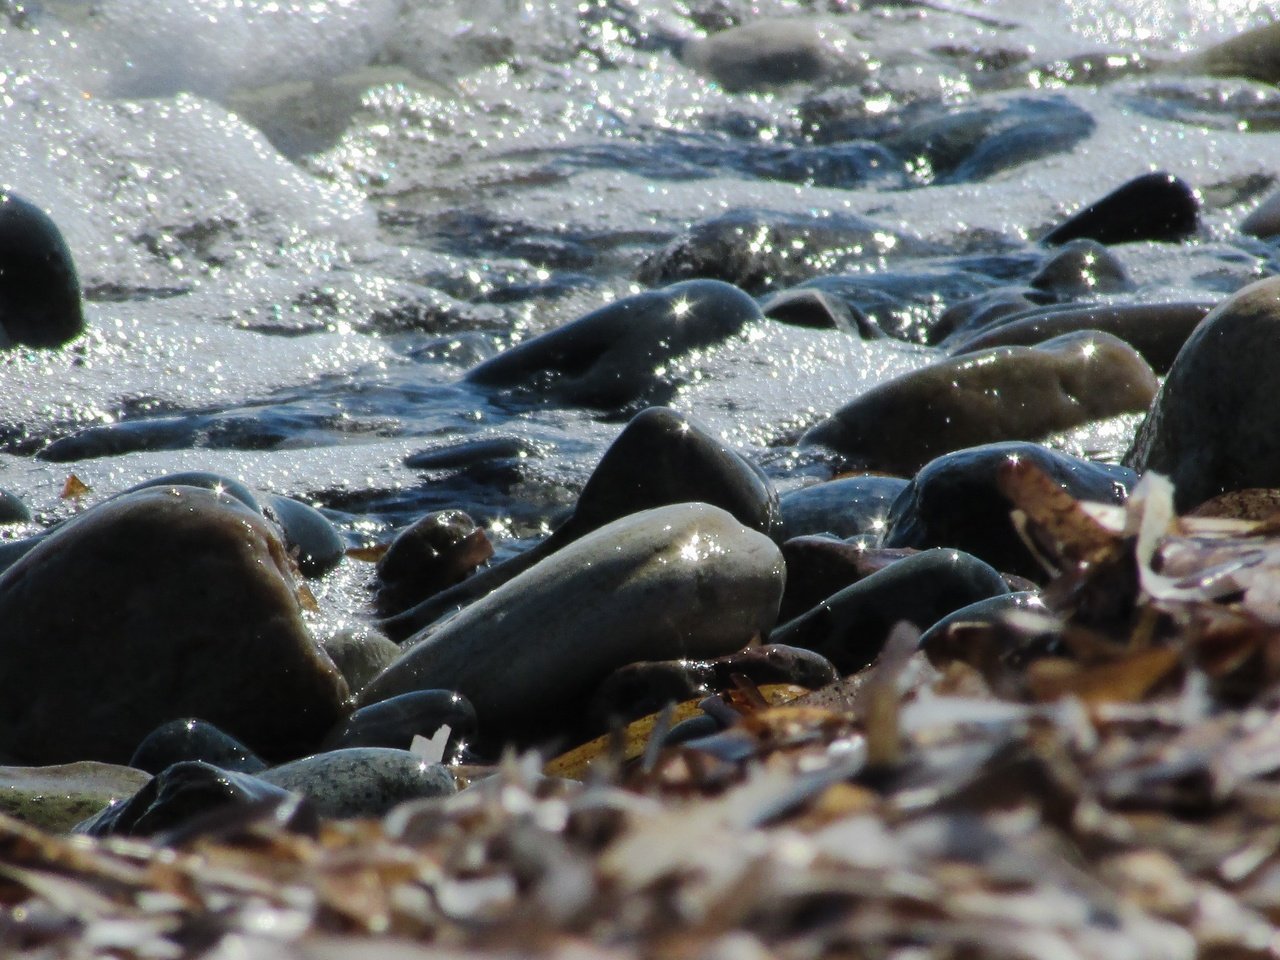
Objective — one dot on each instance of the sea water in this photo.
(298, 223)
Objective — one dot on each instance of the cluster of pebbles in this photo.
(156, 663)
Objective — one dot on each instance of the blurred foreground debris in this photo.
(1101, 780)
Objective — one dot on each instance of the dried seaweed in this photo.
(1101, 779)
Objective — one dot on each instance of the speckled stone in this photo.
(362, 781)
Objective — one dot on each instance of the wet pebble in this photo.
(362, 781)
(809, 307)
(39, 291)
(818, 566)
(205, 622)
(314, 542)
(844, 507)
(661, 457)
(1213, 428)
(12, 509)
(770, 52)
(1006, 393)
(178, 795)
(950, 638)
(396, 721)
(850, 627)
(617, 355)
(193, 739)
(1264, 220)
(954, 501)
(431, 554)
(1154, 206)
(1155, 330)
(1082, 268)
(640, 689)
(360, 653)
(686, 580)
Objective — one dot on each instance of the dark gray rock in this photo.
(362, 781)
(1215, 424)
(205, 480)
(1154, 206)
(954, 501)
(943, 646)
(818, 566)
(686, 580)
(178, 795)
(193, 739)
(162, 604)
(315, 544)
(845, 507)
(12, 509)
(1007, 393)
(612, 357)
(661, 457)
(850, 627)
(809, 307)
(39, 291)
(396, 721)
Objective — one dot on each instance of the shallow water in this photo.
(297, 224)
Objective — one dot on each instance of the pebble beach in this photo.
(700, 479)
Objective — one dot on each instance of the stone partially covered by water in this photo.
(686, 580)
(850, 627)
(431, 554)
(1006, 393)
(162, 604)
(1213, 428)
(954, 501)
(39, 288)
(618, 355)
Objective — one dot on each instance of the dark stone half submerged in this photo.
(39, 290)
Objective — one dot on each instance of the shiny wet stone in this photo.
(193, 739)
(362, 781)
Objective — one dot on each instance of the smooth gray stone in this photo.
(1006, 393)
(955, 501)
(849, 628)
(966, 318)
(1264, 219)
(318, 546)
(845, 507)
(362, 781)
(820, 565)
(360, 653)
(193, 739)
(160, 604)
(983, 611)
(614, 355)
(1254, 54)
(686, 580)
(395, 722)
(40, 302)
(1082, 268)
(11, 551)
(1155, 330)
(661, 457)
(176, 796)
(1215, 425)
